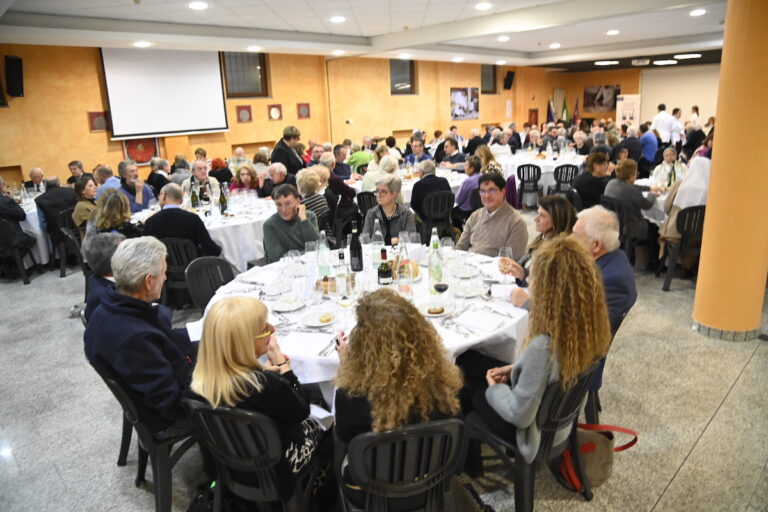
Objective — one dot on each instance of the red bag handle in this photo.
(613, 428)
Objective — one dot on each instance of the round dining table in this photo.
(510, 164)
(31, 225)
(455, 179)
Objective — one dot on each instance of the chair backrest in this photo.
(437, 206)
(7, 234)
(204, 276)
(324, 222)
(615, 206)
(573, 196)
(65, 220)
(565, 173)
(529, 173)
(510, 192)
(416, 461)
(243, 442)
(130, 410)
(365, 201)
(690, 224)
(181, 252)
(474, 198)
(73, 240)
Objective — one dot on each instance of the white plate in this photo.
(313, 319)
(424, 309)
(276, 288)
(287, 307)
(468, 291)
(467, 272)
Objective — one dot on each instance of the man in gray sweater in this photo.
(496, 225)
(291, 227)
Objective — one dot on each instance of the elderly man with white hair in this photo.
(534, 142)
(130, 338)
(35, 183)
(206, 187)
(669, 170)
(278, 175)
(475, 141)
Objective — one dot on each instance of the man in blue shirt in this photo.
(341, 169)
(105, 179)
(418, 154)
(133, 187)
(649, 145)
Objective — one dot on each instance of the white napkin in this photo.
(259, 275)
(323, 417)
(195, 330)
(481, 321)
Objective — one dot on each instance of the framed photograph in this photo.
(98, 121)
(302, 110)
(244, 114)
(141, 151)
(465, 103)
(601, 98)
(275, 112)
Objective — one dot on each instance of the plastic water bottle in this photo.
(435, 262)
(324, 266)
(377, 243)
(404, 273)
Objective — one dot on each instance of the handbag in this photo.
(596, 446)
(465, 497)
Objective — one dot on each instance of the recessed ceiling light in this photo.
(142, 44)
(197, 6)
(404, 56)
(483, 6)
(612, 32)
(458, 59)
(500, 62)
(665, 62)
(698, 12)
(683, 56)
(338, 19)
(337, 52)
(554, 46)
(606, 62)
(254, 48)
(502, 39)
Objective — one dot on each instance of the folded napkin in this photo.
(481, 321)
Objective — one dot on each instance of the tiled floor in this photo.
(700, 406)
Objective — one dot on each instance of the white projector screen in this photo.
(153, 93)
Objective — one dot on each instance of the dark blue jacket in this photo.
(619, 282)
(97, 287)
(342, 170)
(132, 341)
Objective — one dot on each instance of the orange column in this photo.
(734, 260)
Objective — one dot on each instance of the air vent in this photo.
(641, 62)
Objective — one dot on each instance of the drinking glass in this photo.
(310, 253)
(446, 249)
(506, 252)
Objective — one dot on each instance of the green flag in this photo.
(564, 114)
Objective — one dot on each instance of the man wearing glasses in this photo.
(291, 227)
(496, 225)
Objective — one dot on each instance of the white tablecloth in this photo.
(655, 213)
(31, 226)
(492, 327)
(455, 179)
(511, 163)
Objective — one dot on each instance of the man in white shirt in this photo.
(664, 123)
(677, 127)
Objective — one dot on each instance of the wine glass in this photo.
(505, 253)
(446, 249)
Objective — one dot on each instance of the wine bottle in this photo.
(355, 251)
(195, 200)
(435, 262)
(385, 269)
(223, 201)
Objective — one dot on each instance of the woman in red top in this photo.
(245, 179)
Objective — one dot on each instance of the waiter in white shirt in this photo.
(664, 123)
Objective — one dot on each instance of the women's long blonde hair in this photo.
(569, 305)
(112, 210)
(486, 157)
(396, 360)
(228, 368)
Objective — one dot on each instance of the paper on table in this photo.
(323, 417)
(481, 321)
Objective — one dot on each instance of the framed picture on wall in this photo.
(275, 112)
(601, 98)
(244, 114)
(98, 122)
(141, 151)
(465, 103)
(302, 110)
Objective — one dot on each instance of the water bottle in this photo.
(435, 262)
(377, 243)
(324, 266)
(404, 273)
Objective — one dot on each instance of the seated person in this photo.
(221, 171)
(496, 225)
(580, 143)
(308, 184)
(453, 159)
(130, 338)
(488, 162)
(291, 227)
(314, 155)
(566, 334)
(338, 186)
(463, 208)
(11, 211)
(392, 347)
(85, 190)
(50, 203)
(99, 254)
(428, 184)
(393, 218)
(418, 153)
(77, 171)
(669, 171)
(591, 184)
(104, 179)
(246, 179)
(138, 193)
(631, 197)
(172, 221)
(159, 170)
(358, 158)
(341, 169)
(206, 187)
(278, 175)
(600, 145)
(534, 143)
(112, 214)
(228, 373)
(35, 184)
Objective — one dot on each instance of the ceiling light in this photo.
(254, 48)
(502, 39)
(338, 19)
(337, 52)
(698, 12)
(554, 46)
(665, 62)
(500, 62)
(612, 32)
(606, 62)
(641, 62)
(458, 59)
(142, 44)
(683, 56)
(197, 6)
(404, 56)
(483, 6)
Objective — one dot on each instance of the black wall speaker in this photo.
(14, 76)
(508, 79)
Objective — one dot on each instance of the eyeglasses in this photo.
(381, 192)
(266, 334)
(489, 191)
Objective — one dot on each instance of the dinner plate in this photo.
(424, 309)
(315, 318)
(287, 307)
(467, 291)
(466, 272)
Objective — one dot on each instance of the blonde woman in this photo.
(487, 160)
(228, 373)
(380, 152)
(112, 215)
(568, 330)
(308, 182)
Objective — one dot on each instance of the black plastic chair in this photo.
(558, 410)
(365, 201)
(573, 196)
(413, 464)
(204, 276)
(248, 442)
(69, 241)
(474, 199)
(529, 176)
(690, 225)
(564, 175)
(181, 252)
(627, 242)
(437, 208)
(160, 453)
(7, 249)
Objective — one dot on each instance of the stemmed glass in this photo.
(505, 253)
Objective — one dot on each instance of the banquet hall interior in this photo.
(322, 156)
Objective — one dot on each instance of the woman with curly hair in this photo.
(245, 179)
(568, 330)
(393, 347)
(487, 160)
